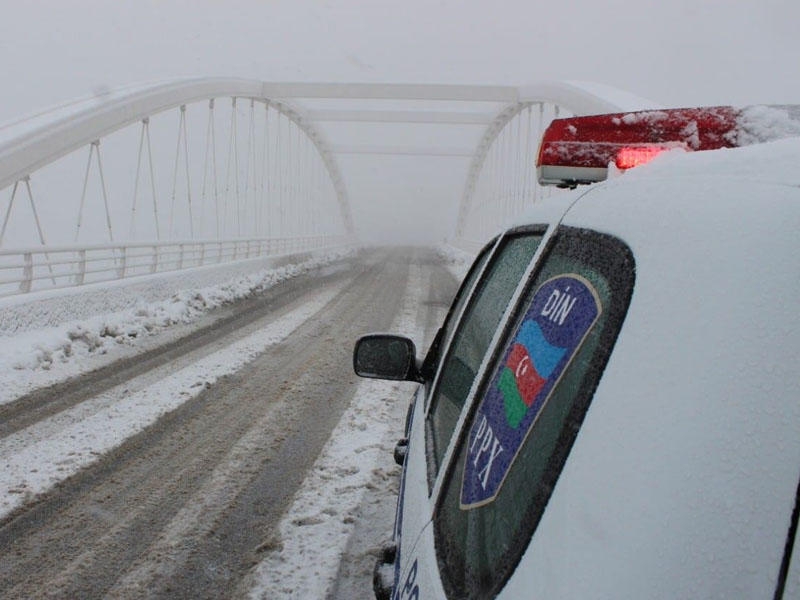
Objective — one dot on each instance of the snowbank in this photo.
(63, 329)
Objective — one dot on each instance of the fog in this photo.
(678, 53)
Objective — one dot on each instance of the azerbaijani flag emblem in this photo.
(559, 316)
(531, 361)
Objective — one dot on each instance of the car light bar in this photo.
(580, 149)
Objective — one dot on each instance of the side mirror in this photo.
(385, 356)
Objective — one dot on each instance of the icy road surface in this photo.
(242, 460)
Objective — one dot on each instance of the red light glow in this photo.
(630, 157)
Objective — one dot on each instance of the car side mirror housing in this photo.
(386, 356)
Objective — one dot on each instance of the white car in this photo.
(612, 406)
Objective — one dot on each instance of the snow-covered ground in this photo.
(347, 469)
(37, 457)
(364, 436)
(50, 336)
(40, 345)
(50, 451)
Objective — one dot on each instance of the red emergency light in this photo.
(580, 149)
(633, 156)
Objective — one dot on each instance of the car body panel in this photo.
(421, 579)
(413, 510)
(683, 476)
(669, 490)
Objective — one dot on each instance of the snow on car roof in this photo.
(690, 441)
(776, 162)
(771, 162)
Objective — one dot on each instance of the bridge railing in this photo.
(24, 270)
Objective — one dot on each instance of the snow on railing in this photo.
(23, 270)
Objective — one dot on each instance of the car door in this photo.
(463, 341)
(521, 416)
(411, 513)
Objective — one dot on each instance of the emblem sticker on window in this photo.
(561, 314)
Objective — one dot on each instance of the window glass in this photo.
(471, 339)
(529, 410)
(444, 334)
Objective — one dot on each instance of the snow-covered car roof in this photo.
(769, 162)
(775, 162)
(690, 444)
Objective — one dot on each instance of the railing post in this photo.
(122, 263)
(27, 274)
(80, 276)
(190, 254)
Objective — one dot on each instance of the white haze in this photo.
(680, 52)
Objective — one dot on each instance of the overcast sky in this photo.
(675, 52)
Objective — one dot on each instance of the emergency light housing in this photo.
(579, 150)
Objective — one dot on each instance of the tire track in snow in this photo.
(126, 527)
(306, 555)
(40, 456)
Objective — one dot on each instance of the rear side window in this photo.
(529, 410)
(474, 332)
(446, 331)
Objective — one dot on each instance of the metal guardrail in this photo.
(23, 270)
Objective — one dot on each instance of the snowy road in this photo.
(230, 457)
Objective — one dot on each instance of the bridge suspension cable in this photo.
(192, 172)
(207, 203)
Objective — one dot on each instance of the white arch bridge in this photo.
(188, 173)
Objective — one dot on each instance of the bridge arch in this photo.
(30, 144)
(499, 181)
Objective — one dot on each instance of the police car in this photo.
(611, 408)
